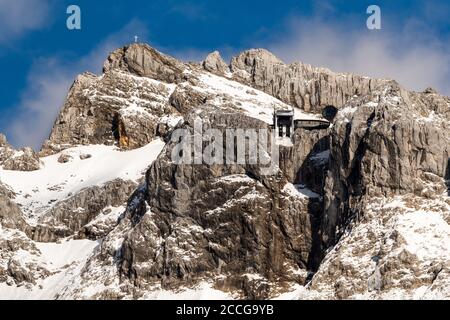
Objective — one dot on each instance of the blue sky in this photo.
(40, 57)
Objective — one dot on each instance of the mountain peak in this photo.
(247, 59)
(215, 64)
(143, 60)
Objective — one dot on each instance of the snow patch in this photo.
(37, 191)
(299, 191)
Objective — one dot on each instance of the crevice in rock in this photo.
(315, 209)
(115, 127)
(447, 177)
(312, 175)
(436, 273)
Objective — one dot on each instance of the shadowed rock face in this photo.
(72, 216)
(219, 221)
(306, 162)
(447, 177)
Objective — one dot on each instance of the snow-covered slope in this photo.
(253, 102)
(62, 261)
(86, 166)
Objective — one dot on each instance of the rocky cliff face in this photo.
(358, 210)
(24, 159)
(390, 142)
(301, 85)
(145, 61)
(116, 108)
(230, 222)
(10, 214)
(215, 64)
(385, 189)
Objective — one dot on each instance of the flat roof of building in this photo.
(284, 112)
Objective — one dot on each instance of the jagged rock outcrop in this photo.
(10, 215)
(145, 61)
(215, 64)
(14, 236)
(124, 106)
(14, 269)
(116, 108)
(306, 162)
(386, 143)
(185, 99)
(301, 85)
(386, 183)
(6, 192)
(73, 216)
(25, 159)
(3, 141)
(396, 249)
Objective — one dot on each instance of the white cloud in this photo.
(20, 16)
(412, 56)
(48, 83)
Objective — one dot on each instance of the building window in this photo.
(284, 122)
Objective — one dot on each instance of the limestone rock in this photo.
(3, 141)
(185, 99)
(19, 273)
(430, 90)
(383, 144)
(69, 217)
(215, 64)
(25, 159)
(10, 213)
(301, 85)
(85, 156)
(115, 109)
(211, 219)
(307, 161)
(64, 158)
(143, 60)
(344, 212)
